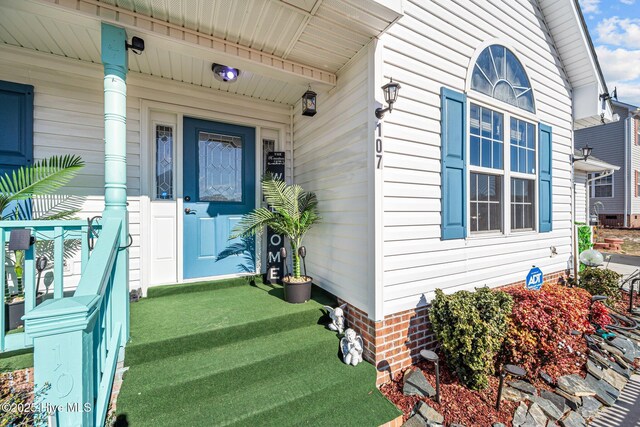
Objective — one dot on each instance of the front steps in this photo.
(234, 354)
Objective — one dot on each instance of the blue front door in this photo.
(219, 187)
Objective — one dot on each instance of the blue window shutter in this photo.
(16, 132)
(454, 168)
(16, 138)
(545, 204)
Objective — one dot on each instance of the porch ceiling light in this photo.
(390, 96)
(225, 73)
(586, 152)
(309, 103)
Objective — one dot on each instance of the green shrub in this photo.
(599, 281)
(584, 240)
(471, 327)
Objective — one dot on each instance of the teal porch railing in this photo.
(51, 237)
(77, 339)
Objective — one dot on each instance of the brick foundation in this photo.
(394, 343)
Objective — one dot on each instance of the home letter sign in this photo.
(535, 278)
(275, 263)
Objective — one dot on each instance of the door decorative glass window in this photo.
(219, 167)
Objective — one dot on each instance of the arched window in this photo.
(499, 74)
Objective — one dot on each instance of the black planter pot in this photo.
(298, 292)
(13, 313)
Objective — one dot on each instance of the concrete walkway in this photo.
(623, 264)
(626, 411)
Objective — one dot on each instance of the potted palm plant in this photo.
(31, 184)
(292, 212)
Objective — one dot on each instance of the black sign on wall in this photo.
(275, 263)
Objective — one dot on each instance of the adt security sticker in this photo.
(535, 278)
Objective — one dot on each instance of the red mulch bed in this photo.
(477, 408)
(458, 403)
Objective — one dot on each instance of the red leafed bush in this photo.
(600, 314)
(540, 332)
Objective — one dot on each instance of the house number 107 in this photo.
(379, 146)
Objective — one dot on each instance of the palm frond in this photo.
(252, 223)
(292, 212)
(44, 177)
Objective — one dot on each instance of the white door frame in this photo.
(147, 175)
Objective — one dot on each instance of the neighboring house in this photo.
(615, 200)
(585, 172)
(467, 182)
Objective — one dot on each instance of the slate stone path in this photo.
(626, 411)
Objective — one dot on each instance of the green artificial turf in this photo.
(234, 354)
(12, 361)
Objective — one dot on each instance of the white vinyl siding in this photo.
(330, 152)
(581, 196)
(69, 119)
(430, 47)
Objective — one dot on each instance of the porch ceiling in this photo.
(279, 45)
(320, 33)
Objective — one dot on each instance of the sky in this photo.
(614, 26)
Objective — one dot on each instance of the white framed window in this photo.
(601, 187)
(503, 176)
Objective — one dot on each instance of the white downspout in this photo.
(574, 231)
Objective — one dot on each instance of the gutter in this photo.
(627, 178)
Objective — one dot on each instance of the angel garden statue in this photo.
(351, 346)
(337, 318)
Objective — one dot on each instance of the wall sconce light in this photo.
(586, 152)
(225, 73)
(514, 371)
(431, 356)
(390, 96)
(309, 103)
(136, 45)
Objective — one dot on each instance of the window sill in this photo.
(482, 236)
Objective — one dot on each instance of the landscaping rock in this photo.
(572, 401)
(456, 425)
(611, 349)
(524, 387)
(530, 422)
(537, 414)
(432, 424)
(629, 353)
(594, 369)
(604, 392)
(573, 420)
(547, 378)
(575, 385)
(599, 359)
(513, 395)
(549, 409)
(559, 401)
(615, 379)
(416, 384)
(428, 413)
(625, 372)
(498, 425)
(590, 407)
(415, 421)
(520, 416)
